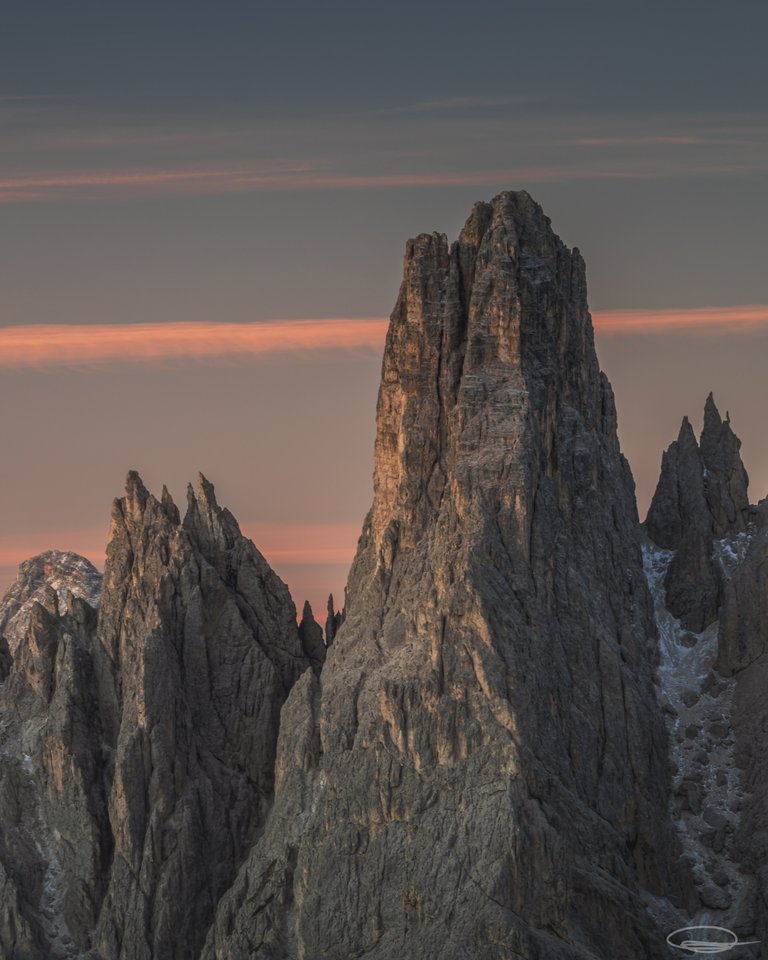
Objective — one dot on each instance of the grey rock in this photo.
(743, 630)
(63, 571)
(139, 750)
(689, 697)
(701, 496)
(719, 729)
(333, 621)
(311, 637)
(715, 897)
(447, 809)
(726, 480)
(692, 583)
(679, 502)
(5, 658)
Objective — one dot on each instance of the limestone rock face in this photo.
(743, 654)
(483, 773)
(726, 479)
(311, 637)
(714, 679)
(5, 659)
(701, 497)
(333, 621)
(679, 503)
(693, 584)
(139, 749)
(64, 571)
(55, 845)
(743, 634)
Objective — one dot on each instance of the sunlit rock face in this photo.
(482, 770)
(137, 746)
(65, 572)
(534, 730)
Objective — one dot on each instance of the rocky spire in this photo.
(679, 503)
(703, 486)
(726, 479)
(489, 776)
(311, 636)
(333, 620)
(701, 497)
(150, 758)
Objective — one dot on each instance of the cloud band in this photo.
(55, 345)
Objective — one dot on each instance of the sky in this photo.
(204, 208)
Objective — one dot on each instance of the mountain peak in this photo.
(64, 572)
(500, 556)
(702, 485)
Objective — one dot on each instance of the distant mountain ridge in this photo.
(537, 731)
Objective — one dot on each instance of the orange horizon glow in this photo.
(745, 318)
(287, 543)
(287, 547)
(55, 345)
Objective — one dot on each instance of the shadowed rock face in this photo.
(717, 578)
(55, 842)
(483, 769)
(144, 743)
(701, 497)
(311, 636)
(743, 654)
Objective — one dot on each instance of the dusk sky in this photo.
(180, 183)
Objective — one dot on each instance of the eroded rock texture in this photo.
(701, 497)
(483, 771)
(743, 655)
(138, 751)
(63, 571)
(311, 636)
(710, 582)
(333, 621)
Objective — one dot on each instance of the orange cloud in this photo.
(740, 319)
(46, 345)
(51, 345)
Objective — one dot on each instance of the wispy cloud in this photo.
(26, 97)
(56, 345)
(450, 104)
(653, 141)
(49, 345)
(746, 318)
(213, 180)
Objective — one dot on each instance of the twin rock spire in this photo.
(701, 497)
